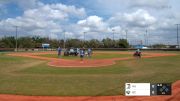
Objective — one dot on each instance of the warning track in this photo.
(174, 97)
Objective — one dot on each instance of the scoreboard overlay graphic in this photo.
(147, 89)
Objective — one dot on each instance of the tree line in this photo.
(36, 42)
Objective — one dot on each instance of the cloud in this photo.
(157, 4)
(55, 12)
(27, 4)
(160, 29)
(44, 19)
(123, 5)
(93, 23)
(96, 17)
(139, 18)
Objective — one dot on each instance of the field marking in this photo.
(174, 97)
(66, 63)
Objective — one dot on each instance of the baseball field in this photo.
(104, 74)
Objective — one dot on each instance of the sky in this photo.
(98, 19)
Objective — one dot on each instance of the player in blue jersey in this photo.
(89, 52)
(59, 51)
(82, 53)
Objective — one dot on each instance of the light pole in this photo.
(113, 33)
(16, 38)
(126, 35)
(113, 30)
(147, 39)
(64, 39)
(84, 33)
(177, 35)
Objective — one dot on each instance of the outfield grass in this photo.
(27, 76)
